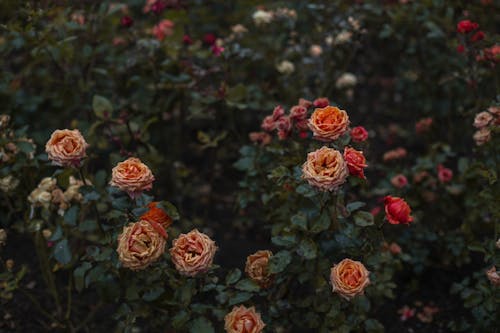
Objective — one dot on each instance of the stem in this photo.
(38, 306)
(335, 222)
(98, 217)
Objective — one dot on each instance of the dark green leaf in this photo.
(62, 252)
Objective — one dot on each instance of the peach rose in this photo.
(66, 148)
(493, 276)
(257, 268)
(328, 123)
(356, 162)
(325, 169)
(156, 215)
(140, 244)
(349, 278)
(482, 119)
(132, 176)
(482, 136)
(193, 253)
(243, 320)
(397, 211)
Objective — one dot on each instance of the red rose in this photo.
(359, 134)
(356, 162)
(444, 174)
(187, 40)
(321, 102)
(466, 26)
(126, 21)
(477, 36)
(397, 211)
(209, 39)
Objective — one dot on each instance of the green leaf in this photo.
(363, 219)
(201, 325)
(180, 319)
(237, 93)
(307, 249)
(62, 252)
(233, 276)
(279, 261)
(322, 223)
(286, 240)
(71, 215)
(300, 221)
(79, 275)
(25, 146)
(352, 206)
(101, 106)
(247, 285)
(239, 297)
(153, 294)
(170, 209)
(373, 326)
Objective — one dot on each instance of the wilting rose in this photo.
(359, 134)
(328, 123)
(132, 176)
(423, 125)
(257, 268)
(278, 112)
(493, 276)
(140, 244)
(482, 136)
(356, 162)
(394, 154)
(298, 113)
(444, 174)
(399, 181)
(325, 169)
(66, 148)
(193, 253)
(156, 215)
(321, 102)
(262, 138)
(163, 29)
(284, 127)
(397, 211)
(268, 124)
(243, 320)
(482, 119)
(349, 278)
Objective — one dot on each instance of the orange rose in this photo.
(243, 320)
(193, 253)
(356, 162)
(325, 169)
(397, 211)
(349, 278)
(328, 123)
(66, 148)
(132, 176)
(156, 215)
(140, 244)
(257, 268)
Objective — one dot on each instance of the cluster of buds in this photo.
(10, 146)
(470, 34)
(47, 193)
(284, 124)
(484, 121)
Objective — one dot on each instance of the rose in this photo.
(328, 123)
(493, 276)
(356, 162)
(305, 103)
(466, 26)
(423, 125)
(156, 215)
(262, 138)
(132, 176)
(66, 148)
(257, 268)
(397, 211)
(126, 21)
(193, 253)
(8, 183)
(325, 169)
(482, 119)
(477, 36)
(444, 174)
(346, 80)
(298, 113)
(243, 320)
(140, 244)
(321, 102)
(394, 154)
(482, 136)
(399, 181)
(284, 127)
(359, 134)
(163, 29)
(349, 278)
(268, 124)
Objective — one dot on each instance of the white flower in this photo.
(346, 80)
(8, 183)
(343, 37)
(285, 67)
(262, 17)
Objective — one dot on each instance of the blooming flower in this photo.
(325, 169)
(397, 211)
(399, 181)
(154, 214)
(356, 162)
(285, 67)
(482, 119)
(346, 80)
(328, 123)
(262, 17)
(466, 26)
(132, 176)
(192, 253)
(444, 174)
(359, 134)
(243, 320)
(349, 278)
(66, 148)
(257, 268)
(163, 29)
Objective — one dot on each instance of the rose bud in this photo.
(349, 278)
(321, 102)
(66, 148)
(328, 123)
(356, 162)
(359, 134)
(482, 119)
(466, 26)
(257, 268)
(325, 169)
(140, 244)
(156, 215)
(192, 253)
(444, 174)
(399, 181)
(243, 320)
(132, 176)
(397, 211)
